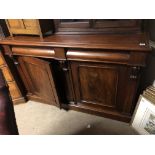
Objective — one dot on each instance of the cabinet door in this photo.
(100, 85)
(39, 81)
(23, 26)
(15, 26)
(30, 23)
(31, 26)
(15, 23)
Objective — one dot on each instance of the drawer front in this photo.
(2, 62)
(14, 92)
(7, 74)
(39, 52)
(99, 56)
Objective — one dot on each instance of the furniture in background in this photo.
(29, 26)
(94, 72)
(13, 82)
(96, 26)
(8, 124)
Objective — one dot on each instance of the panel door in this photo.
(23, 26)
(15, 23)
(31, 26)
(16, 26)
(37, 76)
(99, 85)
(30, 23)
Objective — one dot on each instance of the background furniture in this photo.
(13, 81)
(29, 26)
(96, 26)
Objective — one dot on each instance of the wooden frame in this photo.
(143, 120)
(33, 27)
(22, 28)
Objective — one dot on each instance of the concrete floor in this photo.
(34, 118)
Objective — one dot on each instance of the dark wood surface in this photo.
(30, 51)
(98, 111)
(38, 80)
(116, 42)
(97, 74)
(104, 86)
(110, 56)
(94, 26)
(95, 84)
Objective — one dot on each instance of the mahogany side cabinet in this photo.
(93, 73)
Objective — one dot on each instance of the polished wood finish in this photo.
(29, 26)
(93, 26)
(37, 52)
(8, 124)
(103, 86)
(115, 42)
(39, 80)
(97, 74)
(95, 84)
(105, 80)
(98, 111)
(99, 56)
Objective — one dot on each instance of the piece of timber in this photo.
(135, 42)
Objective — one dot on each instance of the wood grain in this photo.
(39, 79)
(116, 42)
(29, 51)
(95, 73)
(99, 56)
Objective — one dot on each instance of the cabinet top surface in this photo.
(137, 42)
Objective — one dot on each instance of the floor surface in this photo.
(34, 118)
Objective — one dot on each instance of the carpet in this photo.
(34, 118)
